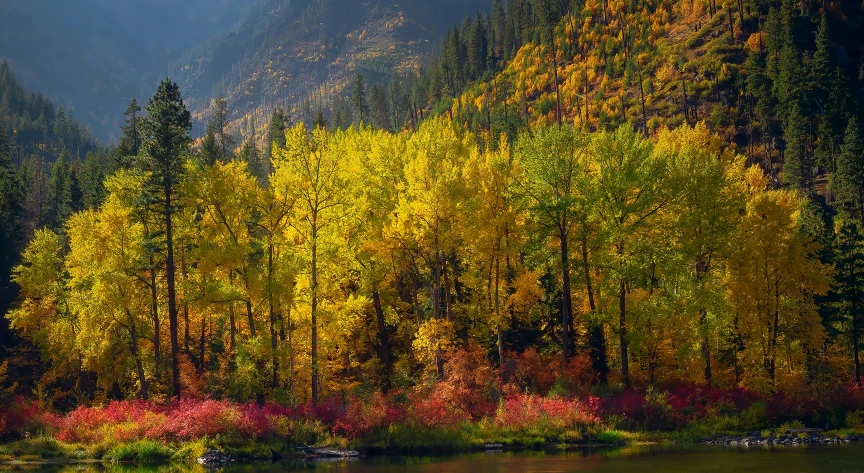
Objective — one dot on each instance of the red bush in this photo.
(525, 411)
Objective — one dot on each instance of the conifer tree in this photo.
(11, 197)
(797, 160)
(379, 110)
(166, 144)
(218, 125)
(130, 143)
(358, 100)
(849, 181)
(275, 132)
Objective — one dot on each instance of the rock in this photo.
(327, 452)
(213, 458)
(493, 446)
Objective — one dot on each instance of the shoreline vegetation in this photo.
(414, 421)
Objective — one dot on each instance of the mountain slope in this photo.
(96, 55)
(291, 51)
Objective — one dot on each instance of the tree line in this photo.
(364, 257)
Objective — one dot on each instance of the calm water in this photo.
(846, 459)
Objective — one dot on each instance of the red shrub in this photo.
(363, 415)
(525, 411)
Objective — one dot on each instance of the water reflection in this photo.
(633, 459)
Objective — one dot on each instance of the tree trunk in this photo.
(855, 330)
(566, 304)
(154, 310)
(598, 340)
(172, 296)
(315, 386)
(383, 340)
(133, 336)
(706, 349)
(622, 334)
(622, 323)
(448, 297)
(272, 313)
(498, 309)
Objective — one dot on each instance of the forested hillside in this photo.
(52, 167)
(301, 54)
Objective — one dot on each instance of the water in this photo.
(714, 459)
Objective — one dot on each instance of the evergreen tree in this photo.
(797, 161)
(358, 100)
(166, 144)
(210, 151)
(496, 36)
(275, 132)
(251, 155)
(11, 197)
(477, 49)
(380, 115)
(92, 179)
(849, 265)
(218, 125)
(60, 190)
(849, 180)
(319, 122)
(130, 143)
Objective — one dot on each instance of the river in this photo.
(694, 459)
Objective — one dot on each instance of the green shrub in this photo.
(143, 451)
(855, 420)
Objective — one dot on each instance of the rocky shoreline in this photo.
(790, 438)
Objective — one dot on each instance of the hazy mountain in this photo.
(95, 55)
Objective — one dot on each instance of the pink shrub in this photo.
(523, 411)
(363, 415)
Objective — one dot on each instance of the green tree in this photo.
(379, 111)
(797, 160)
(166, 144)
(849, 180)
(358, 100)
(60, 189)
(11, 198)
(632, 188)
(553, 168)
(849, 256)
(219, 125)
(130, 143)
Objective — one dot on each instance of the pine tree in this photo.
(210, 152)
(849, 180)
(130, 143)
(11, 198)
(849, 265)
(496, 36)
(220, 124)
(797, 161)
(358, 100)
(275, 132)
(166, 144)
(477, 48)
(60, 190)
(380, 115)
(319, 122)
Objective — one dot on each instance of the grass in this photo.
(144, 451)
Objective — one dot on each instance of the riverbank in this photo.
(418, 420)
(463, 439)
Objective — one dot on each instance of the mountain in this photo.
(96, 55)
(288, 52)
